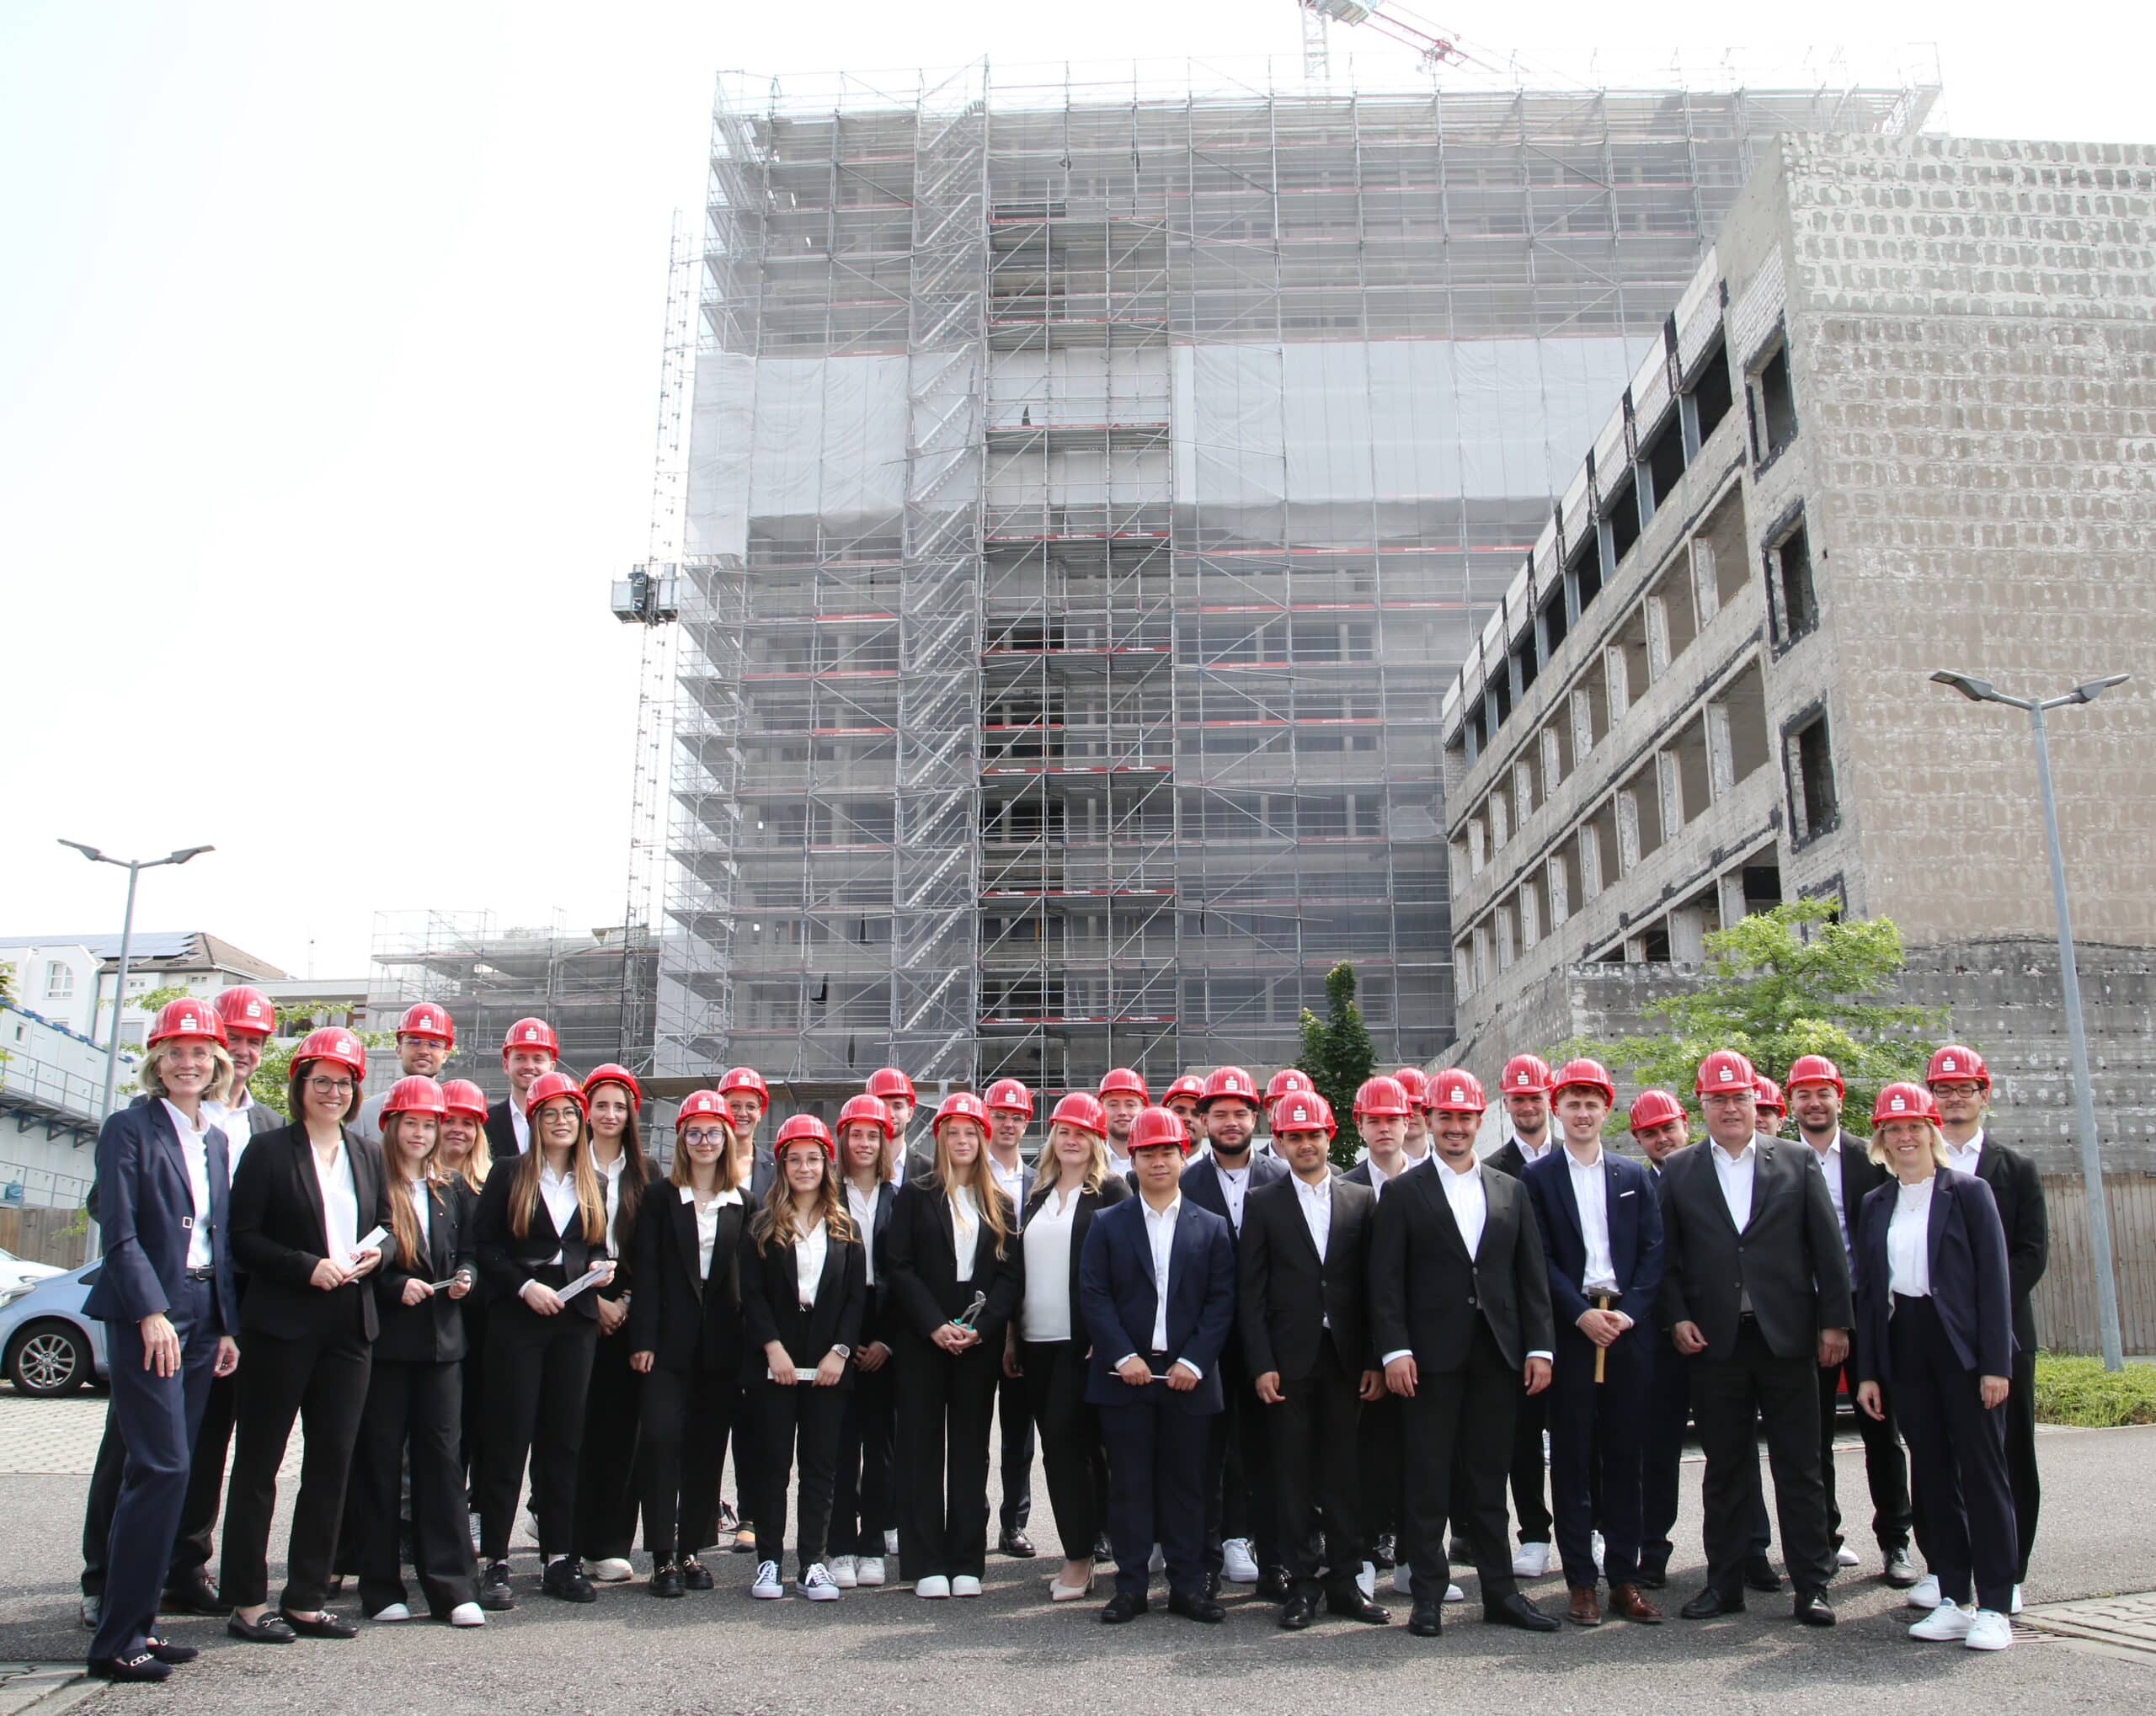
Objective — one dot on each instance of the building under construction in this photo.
(1092, 488)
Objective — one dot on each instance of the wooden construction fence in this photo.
(2065, 1301)
(39, 1235)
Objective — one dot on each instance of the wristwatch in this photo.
(840, 1350)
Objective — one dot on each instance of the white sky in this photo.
(329, 356)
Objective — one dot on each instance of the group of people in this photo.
(1239, 1365)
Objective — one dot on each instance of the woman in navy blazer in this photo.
(1936, 1316)
(164, 1292)
(863, 1507)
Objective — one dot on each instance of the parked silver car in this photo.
(47, 1345)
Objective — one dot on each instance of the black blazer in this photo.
(1201, 1184)
(432, 1331)
(687, 1319)
(771, 1306)
(1509, 1159)
(501, 1132)
(925, 1291)
(1427, 1294)
(2019, 1195)
(877, 1310)
(280, 1233)
(1113, 1191)
(1966, 1248)
(507, 1262)
(1287, 1295)
(1789, 1258)
(625, 1232)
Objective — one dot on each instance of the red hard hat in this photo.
(612, 1074)
(1081, 1109)
(1158, 1126)
(424, 1019)
(1189, 1084)
(1414, 1081)
(1380, 1097)
(1654, 1108)
(870, 1110)
(1592, 1073)
(1525, 1075)
(1814, 1070)
(803, 1125)
(1288, 1078)
(744, 1078)
(188, 1017)
(1901, 1100)
(1305, 1111)
(1011, 1094)
(1769, 1094)
(1724, 1069)
(415, 1096)
(1228, 1082)
(548, 1085)
(332, 1042)
(700, 1105)
(888, 1082)
(1121, 1081)
(1455, 1090)
(959, 1104)
(462, 1096)
(531, 1033)
(1954, 1061)
(245, 1009)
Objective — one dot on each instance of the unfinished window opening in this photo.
(1597, 687)
(1524, 660)
(1621, 513)
(1598, 859)
(1774, 404)
(1662, 458)
(1534, 907)
(1553, 622)
(1632, 646)
(1709, 395)
(1746, 700)
(1677, 612)
(1695, 790)
(1762, 887)
(1644, 790)
(1722, 538)
(1808, 759)
(1557, 751)
(1654, 943)
(1583, 566)
(1789, 573)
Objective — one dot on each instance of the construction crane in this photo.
(1394, 21)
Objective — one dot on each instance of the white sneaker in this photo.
(890, 1545)
(1847, 1557)
(2013, 1608)
(467, 1615)
(816, 1584)
(1453, 1594)
(1595, 1544)
(766, 1583)
(1944, 1625)
(868, 1569)
(1366, 1581)
(1403, 1579)
(610, 1569)
(395, 1611)
(842, 1572)
(1237, 1563)
(964, 1584)
(933, 1585)
(1923, 1594)
(1989, 1630)
(1531, 1561)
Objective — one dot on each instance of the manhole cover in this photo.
(2126, 1621)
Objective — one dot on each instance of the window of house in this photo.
(1709, 396)
(1774, 404)
(1789, 576)
(59, 980)
(1808, 759)
(1663, 458)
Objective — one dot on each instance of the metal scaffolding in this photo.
(1092, 487)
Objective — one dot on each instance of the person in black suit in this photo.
(1660, 1127)
(541, 1229)
(894, 1089)
(1384, 1511)
(528, 1051)
(748, 1100)
(1529, 1138)
(1934, 1304)
(1242, 1538)
(685, 1340)
(461, 1153)
(802, 1297)
(953, 1239)
(1304, 1273)
(864, 1506)
(1601, 1233)
(1156, 1285)
(1960, 1085)
(165, 1294)
(1046, 1342)
(1756, 1287)
(1009, 1105)
(1460, 1309)
(415, 1393)
(310, 1208)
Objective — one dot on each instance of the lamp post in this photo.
(2084, 1095)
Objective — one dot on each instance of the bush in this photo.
(2080, 1391)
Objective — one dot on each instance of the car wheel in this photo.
(48, 1358)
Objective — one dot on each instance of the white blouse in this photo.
(1046, 1237)
(708, 1225)
(558, 1191)
(340, 1203)
(965, 1230)
(862, 1206)
(1908, 1240)
(416, 1191)
(808, 1249)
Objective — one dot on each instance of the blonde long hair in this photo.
(995, 1211)
(219, 1088)
(776, 1224)
(479, 1160)
(1096, 1166)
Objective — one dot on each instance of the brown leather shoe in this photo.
(1625, 1600)
(1585, 1612)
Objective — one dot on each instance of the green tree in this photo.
(1339, 1055)
(295, 1019)
(1799, 979)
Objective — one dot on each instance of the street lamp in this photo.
(2084, 1096)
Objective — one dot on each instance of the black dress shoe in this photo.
(140, 1666)
(494, 1594)
(195, 1593)
(1812, 1608)
(564, 1578)
(1516, 1610)
(666, 1580)
(273, 1628)
(1654, 1574)
(1711, 1603)
(694, 1574)
(166, 1651)
(1016, 1544)
(323, 1625)
(1123, 1607)
(1274, 1586)
(1104, 1551)
(1195, 1606)
(1760, 1574)
(1352, 1605)
(1211, 1585)
(1384, 1553)
(1427, 1619)
(1298, 1612)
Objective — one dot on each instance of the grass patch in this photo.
(2080, 1391)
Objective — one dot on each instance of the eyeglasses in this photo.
(704, 1135)
(330, 1087)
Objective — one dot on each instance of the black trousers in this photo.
(1378, 1451)
(1731, 1398)
(1157, 1451)
(322, 1381)
(685, 1418)
(538, 1369)
(863, 1504)
(418, 1407)
(1665, 1412)
(206, 1490)
(1529, 1466)
(1886, 1466)
(797, 1430)
(1308, 1433)
(1015, 1432)
(473, 1418)
(2020, 1410)
(1597, 1447)
(944, 1403)
(1458, 1429)
(1070, 1441)
(1960, 1461)
(606, 1487)
(1240, 1499)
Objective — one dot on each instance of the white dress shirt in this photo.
(965, 1230)
(1013, 1183)
(809, 1247)
(1315, 1203)
(340, 1203)
(1161, 1235)
(898, 1162)
(231, 1118)
(1591, 1193)
(609, 1189)
(521, 1124)
(415, 1193)
(1829, 1161)
(558, 1191)
(1963, 1158)
(1735, 1174)
(862, 1207)
(708, 1224)
(1534, 1153)
(1908, 1241)
(1469, 1204)
(1047, 1240)
(1378, 1178)
(1235, 1186)
(194, 1151)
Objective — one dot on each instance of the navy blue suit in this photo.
(1156, 1438)
(146, 1211)
(1598, 1430)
